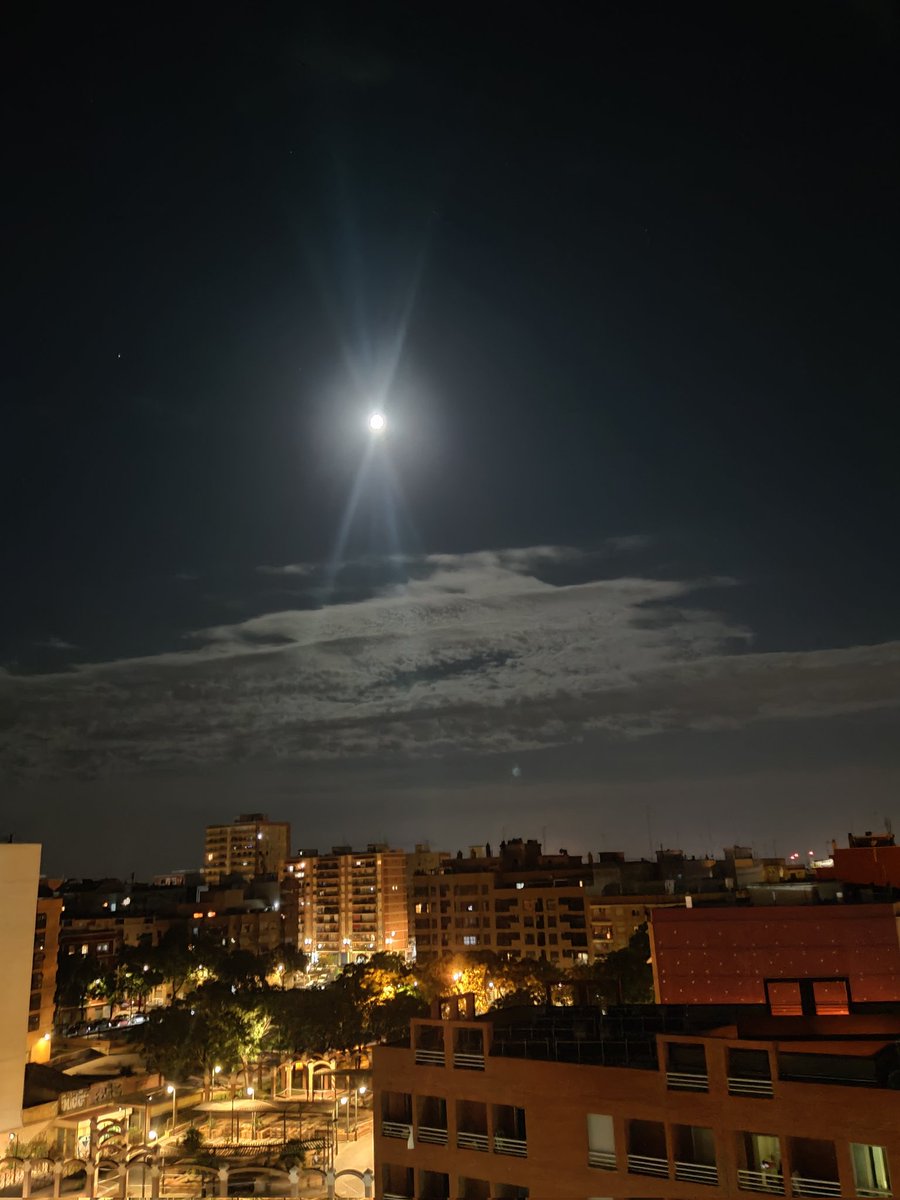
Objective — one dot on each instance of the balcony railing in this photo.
(771, 1182)
(517, 1147)
(429, 1058)
(750, 1087)
(396, 1196)
(697, 1173)
(428, 1133)
(802, 1186)
(686, 1081)
(604, 1159)
(468, 1062)
(646, 1164)
(874, 1193)
(472, 1141)
(396, 1129)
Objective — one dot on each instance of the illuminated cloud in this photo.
(474, 654)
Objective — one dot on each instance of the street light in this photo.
(173, 1092)
(251, 1093)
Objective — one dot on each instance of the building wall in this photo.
(864, 866)
(810, 1123)
(41, 1005)
(724, 955)
(19, 874)
(251, 845)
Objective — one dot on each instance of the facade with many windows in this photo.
(42, 998)
(250, 846)
(669, 1103)
(349, 903)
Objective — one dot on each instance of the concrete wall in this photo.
(19, 873)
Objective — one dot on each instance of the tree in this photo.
(79, 977)
(185, 1040)
(625, 976)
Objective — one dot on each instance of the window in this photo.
(470, 940)
(830, 998)
(601, 1141)
(870, 1169)
(784, 998)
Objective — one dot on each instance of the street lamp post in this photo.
(251, 1093)
(173, 1092)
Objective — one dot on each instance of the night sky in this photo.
(623, 570)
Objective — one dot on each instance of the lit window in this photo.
(870, 1169)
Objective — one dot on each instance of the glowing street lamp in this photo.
(173, 1092)
(377, 423)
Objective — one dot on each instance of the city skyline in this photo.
(619, 563)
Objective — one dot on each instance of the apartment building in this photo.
(250, 846)
(553, 1103)
(527, 904)
(42, 997)
(19, 872)
(349, 903)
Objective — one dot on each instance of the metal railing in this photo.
(697, 1173)
(396, 1196)
(686, 1081)
(604, 1159)
(646, 1164)
(517, 1147)
(395, 1129)
(802, 1186)
(472, 1141)
(750, 1087)
(771, 1182)
(468, 1062)
(429, 1133)
(874, 1193)
(429, 1058)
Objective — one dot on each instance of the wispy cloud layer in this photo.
(475, 653)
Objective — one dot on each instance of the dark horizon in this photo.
(623, 283)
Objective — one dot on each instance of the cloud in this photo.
(302, 569)
(474, 654)
(56, 643)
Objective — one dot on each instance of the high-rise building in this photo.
(349, 903)
(551, 1103)
(42, 997)
(19, 874)
(251, 845)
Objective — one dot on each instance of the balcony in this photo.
(429, 1058)
(472, 1141)
(432, 1135)
(604, 1159)
(761, 1088)
(697, 1173)
(770, 1182)
(646, 1164)
(468, 1062)
(686, 1081)
(816, 1187)
(517, 1147)
(396, 1129)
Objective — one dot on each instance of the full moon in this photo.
(377, 422)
